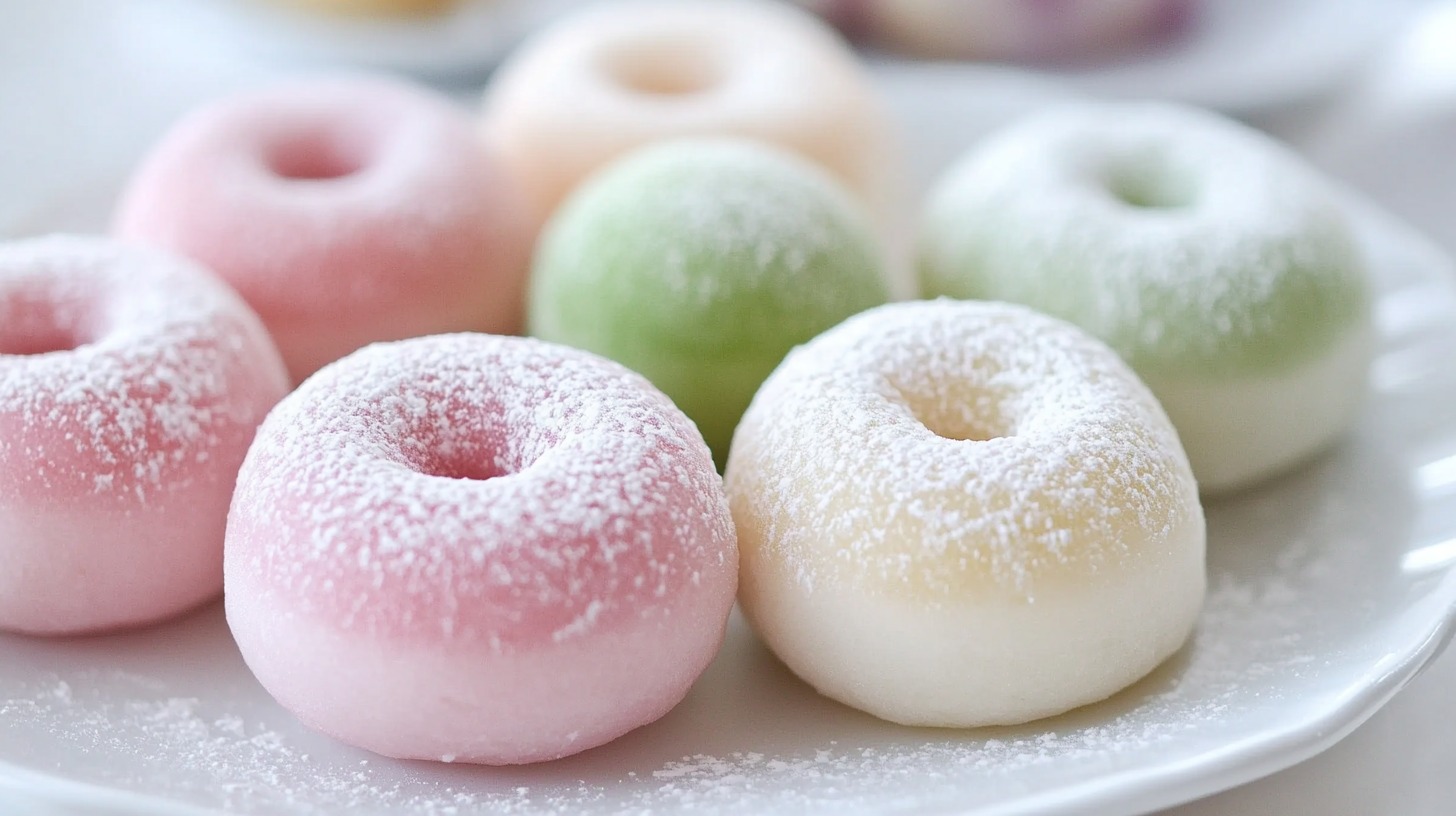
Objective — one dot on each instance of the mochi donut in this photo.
(1010, 30)
(344, 210)
(1220, 267)
(700, 263)
(478, 549)
(957, 513)
(614, 77)
(131, 383)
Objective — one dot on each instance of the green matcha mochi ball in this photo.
(700, 263)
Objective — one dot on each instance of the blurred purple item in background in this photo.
(1039, 31)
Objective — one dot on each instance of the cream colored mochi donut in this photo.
(957, 513)
(473, 548)
(615, 77)
(1213, 260)
(131, 383)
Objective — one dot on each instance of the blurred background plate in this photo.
(1240, 56)
(461, 42)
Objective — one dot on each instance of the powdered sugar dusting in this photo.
(1005, 447)
(1187, 242)
(743, 247)
(143, 383)
(218, 188)
(344, 210)
(773, 218)
(1309, 612)
(475, 487)
(774, 745)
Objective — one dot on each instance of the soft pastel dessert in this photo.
(1219, 266)
(478, 549)
(344, 211)
(700, 263)
(131, 383)
(1009, 30)
(616, 76)
(956, 513)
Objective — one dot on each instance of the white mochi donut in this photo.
(1212, 259)
(956, 513)
(612, 78)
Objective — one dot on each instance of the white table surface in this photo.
(72, 107)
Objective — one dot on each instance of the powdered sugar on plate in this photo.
(1329, 590)
(1297, 612)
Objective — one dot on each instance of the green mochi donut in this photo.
(1212, 259)
(700, 264)
(1185, 241)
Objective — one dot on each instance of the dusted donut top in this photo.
(316, 168)
(1186, 242)
(526, 489)
(617, 76)
(1020, 453)
(720, 247)
(345, 210)
(120, 373)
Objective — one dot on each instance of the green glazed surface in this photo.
(700, 264)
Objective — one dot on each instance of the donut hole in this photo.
(36, 325)
(1145, 184)
(469, 465)
(958, 415)
(315, 156)
(39, 342)
(437, 428)
(662, 66)
(957, 428)
(442, 448)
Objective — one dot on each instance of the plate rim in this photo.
(1145, 75)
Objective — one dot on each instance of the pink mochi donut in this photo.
(478, 549)
(131, 384)
(344, 210)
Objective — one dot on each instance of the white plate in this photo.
(1241, 55)
(1330, 589)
